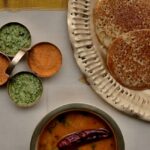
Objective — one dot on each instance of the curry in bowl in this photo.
(77, 130)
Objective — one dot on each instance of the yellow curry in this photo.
(70, 122)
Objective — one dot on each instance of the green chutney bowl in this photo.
(14, 37)
(25, 89)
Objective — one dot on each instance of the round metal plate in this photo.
(90, 56)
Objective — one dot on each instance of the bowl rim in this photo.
(78, 107)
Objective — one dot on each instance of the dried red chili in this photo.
(82, 137)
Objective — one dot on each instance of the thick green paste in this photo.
(13, 37)
(25, 89)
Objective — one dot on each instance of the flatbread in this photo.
(112, 18)
(128, 59)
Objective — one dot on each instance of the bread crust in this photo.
(128, 59)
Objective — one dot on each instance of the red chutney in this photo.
(70, 122)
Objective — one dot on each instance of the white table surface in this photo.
(17, 124)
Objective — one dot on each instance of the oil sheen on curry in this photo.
(77, 131)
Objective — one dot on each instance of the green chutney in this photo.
(25, 89)
(14, 37)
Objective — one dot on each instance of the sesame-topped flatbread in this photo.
(128, 59)
(112, 18)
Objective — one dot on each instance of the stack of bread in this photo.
(123, 27)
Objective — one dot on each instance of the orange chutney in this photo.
(70, 122)
(44, 59)
(4, 63)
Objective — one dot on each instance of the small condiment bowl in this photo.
(17, 37)
(44, 59)
(52, 119)
(4, 79)
(25, 89)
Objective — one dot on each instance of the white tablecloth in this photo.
(18, 124)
